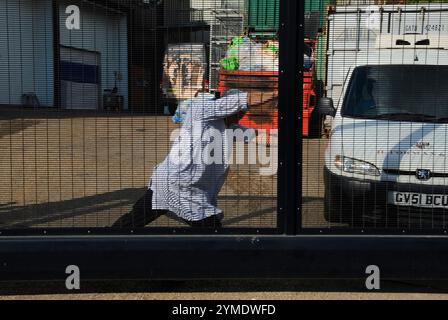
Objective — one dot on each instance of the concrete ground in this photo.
(228, 290)
(65, 171)
(61, 170)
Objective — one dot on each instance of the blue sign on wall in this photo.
(80, 73)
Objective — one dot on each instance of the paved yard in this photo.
(63, 170)
(228, 290)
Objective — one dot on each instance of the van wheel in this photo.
(330, 208)
(334, 210)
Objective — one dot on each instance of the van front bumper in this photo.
(367, 197)
(351, 189)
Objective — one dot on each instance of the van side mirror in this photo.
(326, 107)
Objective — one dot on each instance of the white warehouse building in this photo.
(41, 57)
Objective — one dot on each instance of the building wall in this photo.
(26, 51)
(102, 31)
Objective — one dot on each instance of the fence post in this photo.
(291, 37)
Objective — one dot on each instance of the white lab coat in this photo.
(186, 183)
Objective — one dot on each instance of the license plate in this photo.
(409, 199)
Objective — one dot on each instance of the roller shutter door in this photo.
(80, 79)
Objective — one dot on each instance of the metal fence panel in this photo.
(89, 94)
(380, 166)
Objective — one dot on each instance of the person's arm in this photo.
(220, 108)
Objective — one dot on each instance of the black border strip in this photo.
(210, 257)
(152, 231)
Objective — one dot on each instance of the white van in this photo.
(388, 150)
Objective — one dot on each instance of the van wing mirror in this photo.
(326, 107)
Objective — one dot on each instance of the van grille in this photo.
(398, 172)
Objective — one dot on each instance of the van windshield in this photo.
(398, 93)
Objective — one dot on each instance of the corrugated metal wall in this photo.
(105, 32)
(27, 47)
(26, 51)
(263, 14)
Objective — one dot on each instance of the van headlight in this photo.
(356, 166)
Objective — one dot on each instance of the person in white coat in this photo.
(187, 183)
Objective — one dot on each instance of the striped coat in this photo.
(188, 181)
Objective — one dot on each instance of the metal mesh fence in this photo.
(381, 164)
(130, 114)
(94, 100)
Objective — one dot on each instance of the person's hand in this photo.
(232, 120)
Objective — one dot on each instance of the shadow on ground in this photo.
(63, 213)
(14, 216)
(15, 126)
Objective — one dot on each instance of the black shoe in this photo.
(211, 223)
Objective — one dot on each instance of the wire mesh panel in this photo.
(380, 163)
(107, 118)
